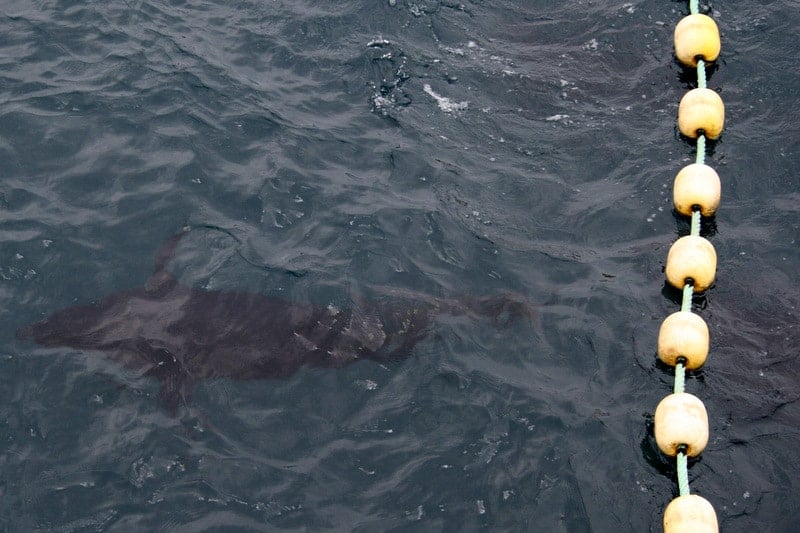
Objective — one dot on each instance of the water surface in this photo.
(447, 147)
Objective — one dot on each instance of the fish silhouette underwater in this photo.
(181, 335)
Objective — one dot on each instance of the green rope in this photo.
(688, 291)
(701, 150)
(683, 474)
(701, 74)
(680, 378)
(695, 223)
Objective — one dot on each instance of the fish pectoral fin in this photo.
(175, 389)
(176, 384)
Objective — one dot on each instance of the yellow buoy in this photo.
(696, 37)
(691, 259)
(690, 514)
(683, 334)
(696, 185)
(681, 421)
(701, 111)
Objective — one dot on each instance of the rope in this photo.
(683, 474)
(701, 74)
(686, 303)
(680, 378)
(701, 150)
(695, 222)
(701, 84)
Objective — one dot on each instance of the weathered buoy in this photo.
(696, 37)
(696, 185)
(681, 422)
(691, 259)
(690, 514)
(701, 111)
(683, 334)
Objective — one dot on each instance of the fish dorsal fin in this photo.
(167, 251)
(162, 280)
(160, 283)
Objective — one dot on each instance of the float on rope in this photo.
(696, 186)
(701, 112)
(681, 422)
(681, 425)
(691, 260)
(690, 514)
(683, 334)
(696, 37)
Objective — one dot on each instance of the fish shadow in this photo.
(181, 335)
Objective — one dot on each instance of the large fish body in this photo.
(180, 334)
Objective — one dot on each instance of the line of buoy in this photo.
(681, 420)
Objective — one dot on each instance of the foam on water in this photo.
(444, 103)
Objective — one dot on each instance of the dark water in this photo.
(447, 147)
